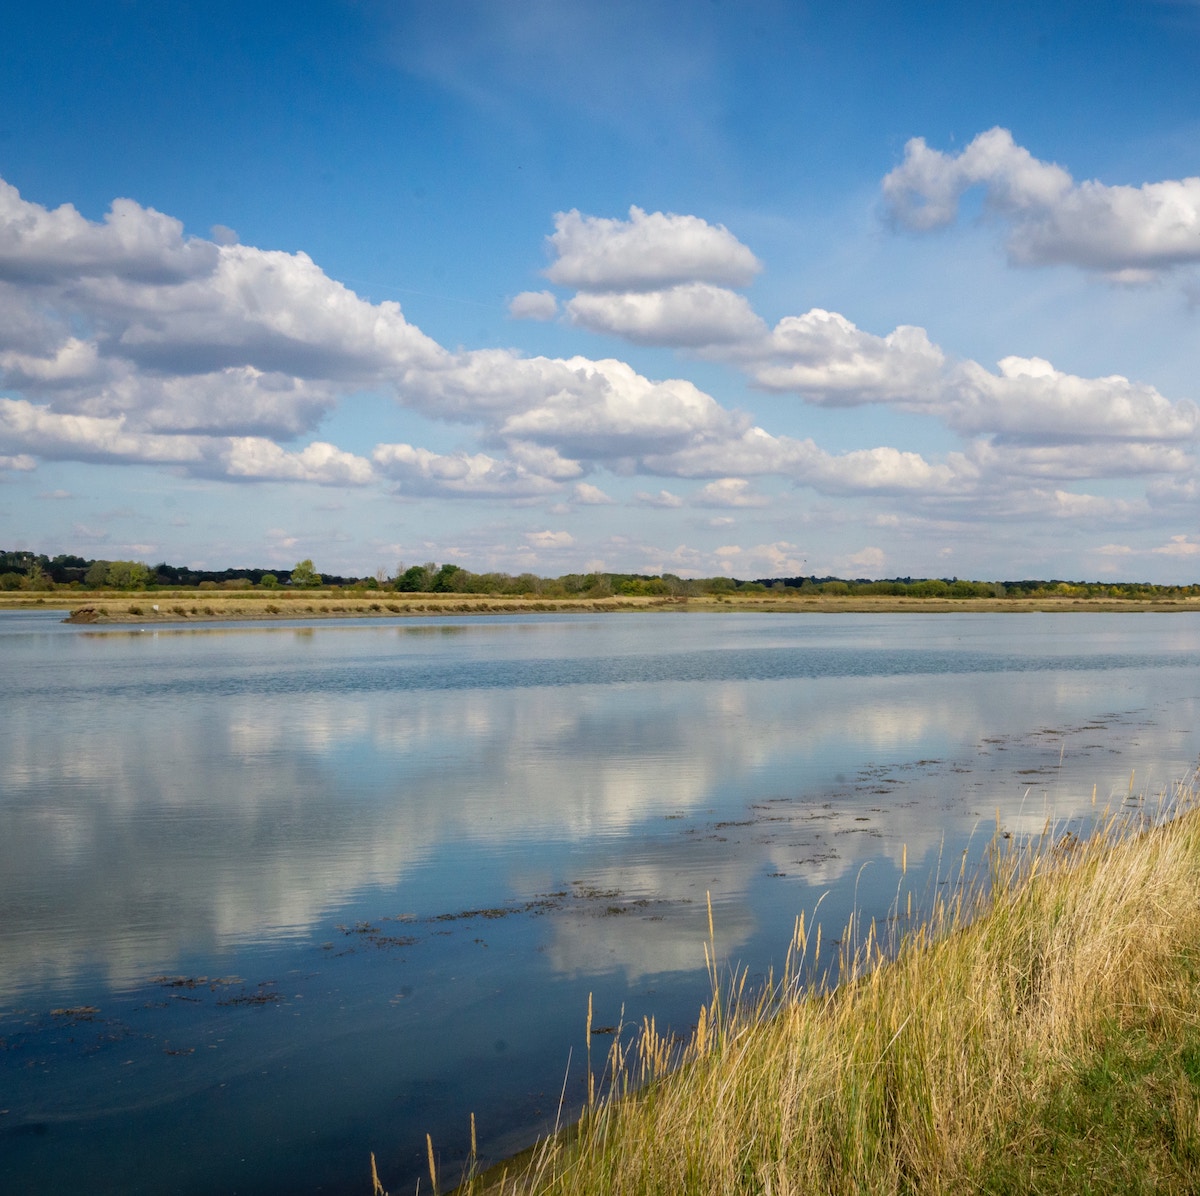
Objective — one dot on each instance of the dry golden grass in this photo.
(193, 605)
(1007, 1043)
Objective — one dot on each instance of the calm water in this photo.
(273, 898)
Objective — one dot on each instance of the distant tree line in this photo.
(954, 587)
(23, 570)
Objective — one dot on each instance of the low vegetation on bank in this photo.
(1038, 1031)
(23, 571)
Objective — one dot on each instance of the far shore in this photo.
(204, 606)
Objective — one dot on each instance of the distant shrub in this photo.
(641, 587)
(933, 588)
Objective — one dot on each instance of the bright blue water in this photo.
(272, 898)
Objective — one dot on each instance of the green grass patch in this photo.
(1124, 1118)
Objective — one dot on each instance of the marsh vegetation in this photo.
(1036, 1031)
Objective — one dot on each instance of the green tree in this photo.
(127, 575)
(304, 576)
(96, 575)
(268, 581)
(36, 577)
(443, 581)
(416, 578)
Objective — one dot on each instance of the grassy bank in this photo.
(192, 606)
(1040, 1037)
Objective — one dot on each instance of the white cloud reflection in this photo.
(138, 831)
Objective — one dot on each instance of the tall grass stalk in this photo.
(938, 1059)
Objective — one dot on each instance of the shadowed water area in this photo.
(274, 897)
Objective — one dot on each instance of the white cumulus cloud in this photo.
(826, 358)
(613, 412)
(757, 453)
(457, 475)
(1068, 462)
(870, 560)
(1126, 231)
(264, 460)
(32, 429)
(533, 305)
(649, 251)
(591, 496)
(692, 315)
(42, 246)
(548, 539)
(1179, 546)
(109, 440)
(165, 342)
(126, 341)
(664, 499)
(729, 492)
(1030, 401)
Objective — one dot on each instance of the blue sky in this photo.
(754, 288)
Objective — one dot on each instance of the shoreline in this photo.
(188, 606)
(1035, 1030)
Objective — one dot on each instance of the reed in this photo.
(1038, 1030)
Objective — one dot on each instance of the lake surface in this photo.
(274, 897)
